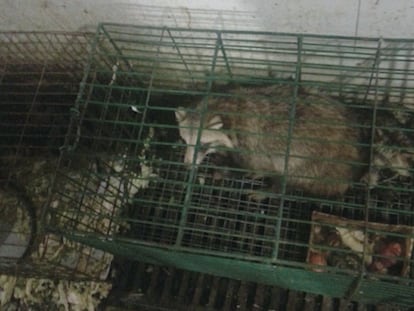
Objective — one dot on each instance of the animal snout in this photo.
(189, 156)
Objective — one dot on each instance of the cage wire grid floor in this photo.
(130, 111)
(149, 287)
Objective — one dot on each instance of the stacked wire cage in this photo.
(39, 83)
(215, 215)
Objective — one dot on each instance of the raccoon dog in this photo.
(318, 147)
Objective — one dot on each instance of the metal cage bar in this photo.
(215, 217)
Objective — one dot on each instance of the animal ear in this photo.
(180, 114)
(215, 123)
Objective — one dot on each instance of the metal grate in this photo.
(147, 287)
(216, 217)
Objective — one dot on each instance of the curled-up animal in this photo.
(311, 144)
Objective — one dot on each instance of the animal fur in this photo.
(253, 124)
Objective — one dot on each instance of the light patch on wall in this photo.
(353, 17)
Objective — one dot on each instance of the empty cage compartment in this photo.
(211, 150)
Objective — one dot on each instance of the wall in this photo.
(351, 17)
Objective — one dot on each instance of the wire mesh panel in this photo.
(39, 79)
(278, 158)
(39, 82)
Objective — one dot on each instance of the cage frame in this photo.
(273, 271)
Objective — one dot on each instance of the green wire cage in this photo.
(222, 215)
